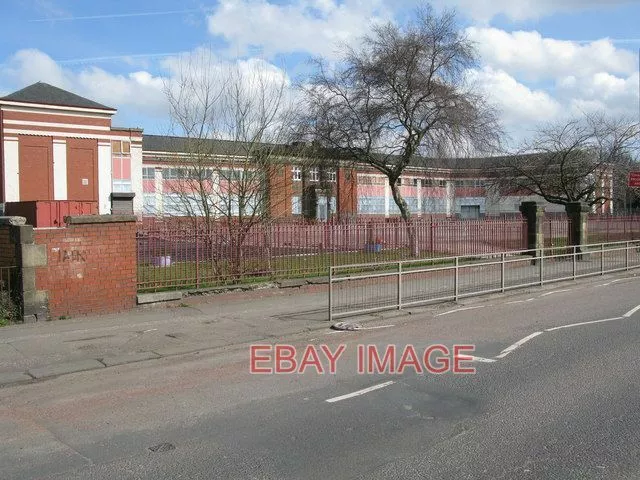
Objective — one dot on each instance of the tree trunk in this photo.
(414, 248)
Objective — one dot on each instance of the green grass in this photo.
(182, 275)
(8, 311)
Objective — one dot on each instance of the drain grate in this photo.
(162, 447)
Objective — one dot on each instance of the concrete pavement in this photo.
(196, 323)
(193, 324)
(561, 405)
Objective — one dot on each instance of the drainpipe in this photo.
(2, 198)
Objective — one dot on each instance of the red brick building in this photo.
(56, 145)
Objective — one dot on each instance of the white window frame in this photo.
(296, 205)
(147, 169)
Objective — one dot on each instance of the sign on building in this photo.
(634, 179)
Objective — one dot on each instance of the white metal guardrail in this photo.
(369, 287)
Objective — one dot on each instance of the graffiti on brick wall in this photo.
(71, 255)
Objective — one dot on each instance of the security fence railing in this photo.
(192, 253)
(364, 288)
(6, 277)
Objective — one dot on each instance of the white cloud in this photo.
(601, 91)
(529, 77)
(312, 26)
(485, 10)
(139, 90)
(535, 79)
(138, 94)
(531, 55)
(521, 107)
(30, 65)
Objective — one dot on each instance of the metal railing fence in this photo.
(192, 253)
(6, 278)
(365, 288)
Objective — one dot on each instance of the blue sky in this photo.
(539, 60)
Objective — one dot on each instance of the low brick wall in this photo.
(90, 265)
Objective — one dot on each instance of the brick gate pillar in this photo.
(578, 216)
(534, 215)
(26, 257)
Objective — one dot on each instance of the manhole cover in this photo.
(346, 326)
(162, 447)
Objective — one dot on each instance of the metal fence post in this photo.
(602, 259)
(574, 262)
(626, 256)
(541, 266)
(502, 279)
(330, 294)
(399, 285)
(456, 280)
(197, 238)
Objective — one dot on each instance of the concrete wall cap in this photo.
(87, 219)
(13, 221)
(577, 207)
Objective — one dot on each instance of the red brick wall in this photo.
(91, 268)
(347, 192)
(280, 191)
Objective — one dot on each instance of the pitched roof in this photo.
(163, 143)
(174, 144)
(46, 94)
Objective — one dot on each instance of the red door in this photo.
(35, 168)
(82, 169)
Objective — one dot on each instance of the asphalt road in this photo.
(564, 404)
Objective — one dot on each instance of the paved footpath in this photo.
(31, 352)
(40, 350)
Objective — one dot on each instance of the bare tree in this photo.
(401, 96)
(579, 160)
(230, 121)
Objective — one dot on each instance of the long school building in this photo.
(56, 145)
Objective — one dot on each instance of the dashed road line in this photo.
(561, 327)
(555, 291)
(516, 345)
(480, 359)
(609, 283)
(580, 324)
(360, 392)
(460, 310)
(520, 301)
(631, 312)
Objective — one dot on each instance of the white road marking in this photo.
(520, 301)
(632, 311)
(359, 392)
(583, 323)
(518, 344)
(459, 310)
(609, 283)
(555, 291)
(480, 359)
